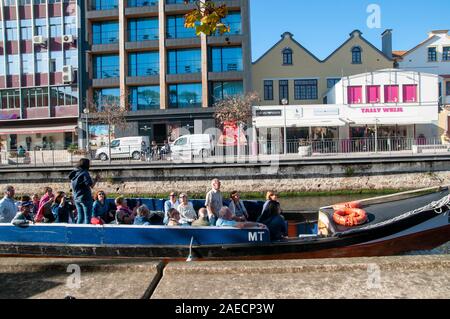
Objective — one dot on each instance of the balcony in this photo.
(143, 80)
(226, 76)
(143, 10)
(184, 78)
(106, 82)
(183, 43)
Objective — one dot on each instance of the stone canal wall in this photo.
(293, 176)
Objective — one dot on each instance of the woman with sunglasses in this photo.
(101, 208)
(169, 204)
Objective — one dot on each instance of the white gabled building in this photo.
(391, 102)
(433, 56)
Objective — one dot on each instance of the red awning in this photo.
(37, 130)
(445, 76)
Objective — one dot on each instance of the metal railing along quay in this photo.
(261, 151)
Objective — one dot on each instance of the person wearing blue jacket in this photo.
(62, 209)
(82, 185)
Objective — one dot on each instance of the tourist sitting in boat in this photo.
(142, 216)
(8, 207)
(63, 209)
(23, 199)
(169, 204)
(23, 217)
(226, 220)
(35, 199)
(272, 218)
(45, 205)
(237, 207)
(101, 208)
(203, 220)
(270, 196)
(174, 218)
(187, 211)
(124, 215)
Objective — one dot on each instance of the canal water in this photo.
(315, 202)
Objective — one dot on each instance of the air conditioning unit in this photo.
(39, 39)
(67, 39)
(68, 75)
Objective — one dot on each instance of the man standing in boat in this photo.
(214, 201)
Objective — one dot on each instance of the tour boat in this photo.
(396, 224)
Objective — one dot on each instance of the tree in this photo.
(206, 18)
(107, 110)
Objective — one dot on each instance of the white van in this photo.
(193, 145)
(126, 147)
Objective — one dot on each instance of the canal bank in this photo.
(386, 277)
(287, 176)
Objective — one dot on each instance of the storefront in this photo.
(38, 138)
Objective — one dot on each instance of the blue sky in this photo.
(323, 25)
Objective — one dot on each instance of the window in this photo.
(26, 29)
(185, 95)
(55, 27)
(233, 21)
(287, 56)
(176, 29)
(105, 97)
(11, 30)
(373, 94)
(70, 25)
(184, 61)
(356, 55)
(36, 97)
(144, 98)
(64, 96)
(226, 59)
(106, 66)
(432, 55)
(143, 64)
(41, 27)
(222, 90)
(12, 61)
(104, 4)
(447, 88)
(354, 94)
(41, 62)
(332, 82)
(409, 93)
(105, 32)
(27, 63)
(446, 54)
(143, 29)
(391, 94)
(268, 90)
(10, 99)
(284, 90)
(305, 89)
(142, 3)
(71, 58)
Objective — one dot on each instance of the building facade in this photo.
(433, 56)
(291, 72)
(386, 104)
(39, 82)
(140, 53)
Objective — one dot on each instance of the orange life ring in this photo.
(344, 206)
(350, 217)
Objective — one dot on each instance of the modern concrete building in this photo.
(39, 60)
(140, 53)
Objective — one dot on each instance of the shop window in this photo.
(391, 94)
(410, 93)
(373, 94)
(354, 94)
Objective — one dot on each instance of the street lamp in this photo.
(86, 112)
(285, 102)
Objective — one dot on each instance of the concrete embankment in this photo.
(286, 176)
(387, 277)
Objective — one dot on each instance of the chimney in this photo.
(386, 38)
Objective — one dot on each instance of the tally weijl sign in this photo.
(373, 110)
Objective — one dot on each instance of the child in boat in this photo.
(24, 216)
(174, 218)
(142, 216)
(124, 215)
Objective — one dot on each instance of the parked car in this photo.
(126, 147)
(193, 145)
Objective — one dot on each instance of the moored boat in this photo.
(396, 224)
